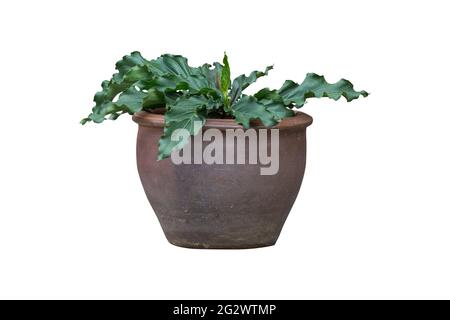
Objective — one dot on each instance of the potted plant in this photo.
(220, 188)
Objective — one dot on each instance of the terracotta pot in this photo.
(221, 205)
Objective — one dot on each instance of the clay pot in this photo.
(227, 206)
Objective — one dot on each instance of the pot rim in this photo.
(151, 119)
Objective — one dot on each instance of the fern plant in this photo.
(192, 94)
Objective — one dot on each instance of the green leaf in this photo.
(212, 75)
(175, 69)
(163, 84)
(171, 64)
(188, 112)
(103, 99)
(274, 103)
(131, 100)
(128, 62)
(226, 76)
(154, 98)
(248, 108)
(242, 82)
(117, 85)
(164, 79)
(192, 94)
(277, 109)
(225, 81)
(268, 94)
(315, 86)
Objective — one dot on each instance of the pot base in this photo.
(194, 245)
(222, 228)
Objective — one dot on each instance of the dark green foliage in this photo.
(191, 95)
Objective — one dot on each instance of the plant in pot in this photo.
(203, 146)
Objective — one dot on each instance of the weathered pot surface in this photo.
(226, 206)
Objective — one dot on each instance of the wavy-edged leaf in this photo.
(176, 68)
(315, 86)
(115, 86)
(242, 82)
(170, 64)
(154, 99)
(268, 94)
(163, 84)
(163, 78)
(212, 75)
(131, 100)
(128, 62)
(104, 99)
(277, 109)
(274, 103)
(171, 83)
(189, 113)
(248, 108)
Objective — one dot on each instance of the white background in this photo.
(372, 218)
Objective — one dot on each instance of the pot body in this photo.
(226, 206)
